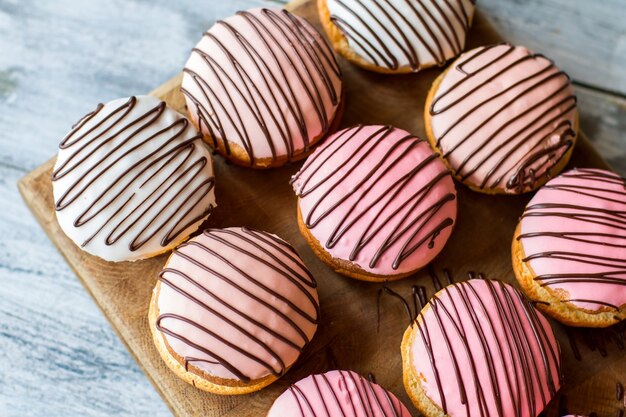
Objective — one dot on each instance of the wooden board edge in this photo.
(24, 185)
(295, 4)
(167, 86)
(29, 176)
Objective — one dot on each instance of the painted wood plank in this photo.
(603, 118)
(53, 68)
(59, 59)
(348, 306)
(58, 354)
(46, 86)
(586, 38)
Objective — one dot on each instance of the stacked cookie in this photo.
(234, 308)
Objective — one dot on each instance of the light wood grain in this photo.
(605, 116)
(265, 200)
(586, 38)
(60, 58)
(58, 354)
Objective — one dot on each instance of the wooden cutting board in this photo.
(264, 200)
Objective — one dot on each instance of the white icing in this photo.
(370, 26)
(157, 195)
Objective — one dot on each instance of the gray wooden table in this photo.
(58, 355)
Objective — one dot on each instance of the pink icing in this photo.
(357, 172)
(337, 394)
(590, 264)
(485, 337)
(503, 116)
(234, 265)
(263, 76)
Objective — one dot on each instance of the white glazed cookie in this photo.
(403, 35)
(132, 179)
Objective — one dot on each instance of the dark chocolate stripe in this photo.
(537, 370)
(606, 220)
(407, 228)
(266, 247)
(446, 23)
(296, 49)
(120, 133)
(363, 400)
(550, 120)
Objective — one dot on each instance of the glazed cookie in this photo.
(233, 309)
(397, 36)
(375, 203)
(479, 348)
(337, 394)
(263, 87)
(503, 118)
(132, 180)
(569, 249)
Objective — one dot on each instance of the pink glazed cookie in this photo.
(263, 86)
(569, 249)
(337, 394)
(479, 348)
(503, 118)
(233, 309)
(375, 203)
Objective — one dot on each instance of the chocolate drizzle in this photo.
(126, 166)
(412, 223)
(223, 314)
(609, 231)
(432, 31)
(597, 340)
(419, 295)
(544, 126)
(386, 290)
(259, 79)
(522, 364)
(361, 394)
(437, 285)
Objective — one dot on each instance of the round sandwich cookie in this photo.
(233, 309)
(132, 179)
(480, 348)
(337, 394)
(263, 86)
(569, 249)
(397, 36)
(503, 118)
(375, 203)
